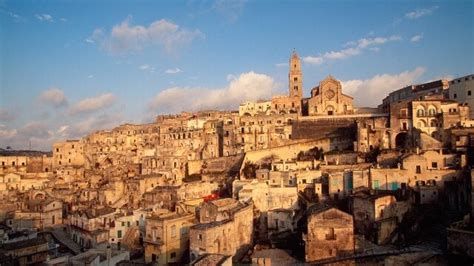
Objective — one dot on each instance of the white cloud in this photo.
(97, 35)
(357, 48)
(370, 92)
(420, 12)
(173, 71)
(6, 133)
(125, 38)
(342, 53)
(54, 97)
(14, 16)
(313, 60)
(145, 67)
(230, 9)
(247, 86)
(63, 19)
(93, 104)
(90, 76)
(89, 125)
(281, 64)
(44, 17)
(374, 49)
(416, 38)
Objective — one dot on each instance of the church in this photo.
(326, 99)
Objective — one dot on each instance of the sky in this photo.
(68, 68)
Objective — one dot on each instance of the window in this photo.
(455, 96)
(199, 237)
(394, 185)
(173, 255)
(418, 169)
(376, 184)
(420, 112)
(330, 235)
(468, 93)
(119, 234)
(295, 79)
(434, 165)
(173, 231)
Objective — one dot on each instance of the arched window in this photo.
(433, 123)
(420, 112)
(432, 111)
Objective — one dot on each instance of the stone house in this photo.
(226, 228)
(330, 234)
(90, 227)
(39, 214)
(167, 237)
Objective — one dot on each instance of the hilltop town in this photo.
(287, 180)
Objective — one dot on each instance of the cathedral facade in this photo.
(328, 99)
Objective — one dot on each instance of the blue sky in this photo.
(70, 67)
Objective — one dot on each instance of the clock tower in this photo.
(295, 76)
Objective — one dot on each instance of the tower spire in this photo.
(295, 76)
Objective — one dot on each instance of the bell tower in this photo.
(295, 76)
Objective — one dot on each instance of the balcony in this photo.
(156, 241)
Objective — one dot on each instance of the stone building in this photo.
(254, 108)
(25, 164)
(167, 237)
(373, 133)
(295, 77)
(412, 92)
(226, 227)
(370, 211)
(90, 227)
(275, 206)
(462, 90)
(424, 122)
(68, 153)
(328, 99)
(330, 234)
(32, 251)
(38, 213)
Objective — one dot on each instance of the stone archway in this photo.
(401, 140)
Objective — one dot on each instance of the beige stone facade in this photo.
(462, 90)
(328, 99)
(167, 237)
(330, 234)
(226, 228)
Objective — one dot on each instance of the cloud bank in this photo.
(247, 86)
(354, 48)
(370, 92)
(126, 38)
